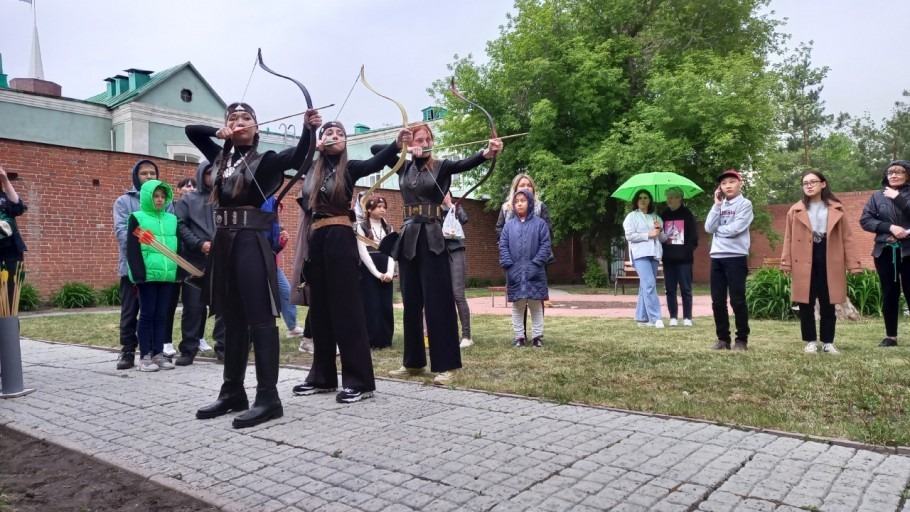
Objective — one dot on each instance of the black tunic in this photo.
(263, 174)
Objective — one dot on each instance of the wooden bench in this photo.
(493, 290)
(766, 263)
(629, 275)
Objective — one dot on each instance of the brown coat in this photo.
(842, 254)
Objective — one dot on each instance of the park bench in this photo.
(497, 289)
(630, 276)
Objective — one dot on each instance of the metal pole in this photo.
(11, 359)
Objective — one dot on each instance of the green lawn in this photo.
(861, 394)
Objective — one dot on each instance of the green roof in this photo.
(115, 101)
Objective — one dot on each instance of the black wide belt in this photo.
(244, 218)
(428, 210)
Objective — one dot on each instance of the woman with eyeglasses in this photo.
(887, 214)
(645, 234)
(817, 253)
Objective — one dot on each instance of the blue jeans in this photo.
(648, 307)
(153, 306)
(678, 274)
(288, 310)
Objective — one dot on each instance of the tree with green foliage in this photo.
(612, 88)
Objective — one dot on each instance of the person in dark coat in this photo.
(679, 255)
(523, 251)
(12, 247)
(196, 229)
(887, 214)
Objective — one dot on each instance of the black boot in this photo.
(267, 405)
(232, 396)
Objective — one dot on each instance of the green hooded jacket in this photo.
(145, 263)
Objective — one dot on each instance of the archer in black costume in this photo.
(241, 282)
(330, 269)
(423, 261)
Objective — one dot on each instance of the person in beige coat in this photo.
(817, 254)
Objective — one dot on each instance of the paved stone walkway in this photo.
(418, 447)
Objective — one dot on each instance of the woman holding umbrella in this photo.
(644, 232)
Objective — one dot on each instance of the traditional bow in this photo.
(404, 150)
(308, 161)
(492, 136)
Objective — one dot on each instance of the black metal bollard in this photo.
(11, 359)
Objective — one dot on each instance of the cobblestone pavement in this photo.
(418, 447)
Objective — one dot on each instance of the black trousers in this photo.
(336, 311)
(730, 274)
(426, 283)
(678, 275)
(129, 315)
(377, 303)
(894, 275)
(818, 289)
(192, 322)
(248, 306)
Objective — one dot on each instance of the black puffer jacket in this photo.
(195, 225)
(880, 213)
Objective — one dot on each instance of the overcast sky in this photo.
(405, 45)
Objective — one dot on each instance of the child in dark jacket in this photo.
(152, 272)
(524, 247)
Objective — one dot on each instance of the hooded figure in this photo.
(524, 247)
(123, 207)
(147, 264)
(194, 213)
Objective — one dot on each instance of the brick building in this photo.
(69, 225)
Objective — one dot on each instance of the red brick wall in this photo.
(762, 248)
(69, 225)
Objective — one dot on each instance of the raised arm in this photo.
(201, 137)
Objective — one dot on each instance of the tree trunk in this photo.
(845, 311)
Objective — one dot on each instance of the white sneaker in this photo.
(830, 348)
(306, 345)
(466, 342)
(296, 331)
(203, 346)
(687, 322)
(673, 322)
(659, 324)
(811, 348)
(169, 350)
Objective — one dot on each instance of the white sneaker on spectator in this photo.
(296, 331)
(659, 324)
(811, 347)
(203, 346)
(687, 322)
(673, 322)
(306, 345)
(829, 348)
(466, 342)
(169, 350)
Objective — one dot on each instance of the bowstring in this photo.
(250, 79)
(356, 79)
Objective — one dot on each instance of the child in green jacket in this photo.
(152, 272)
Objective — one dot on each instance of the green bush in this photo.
(865, 292)
(594, 275)
(474, 282)
(29, 299)
(74, 295)
(768, 295)
(110, 296)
